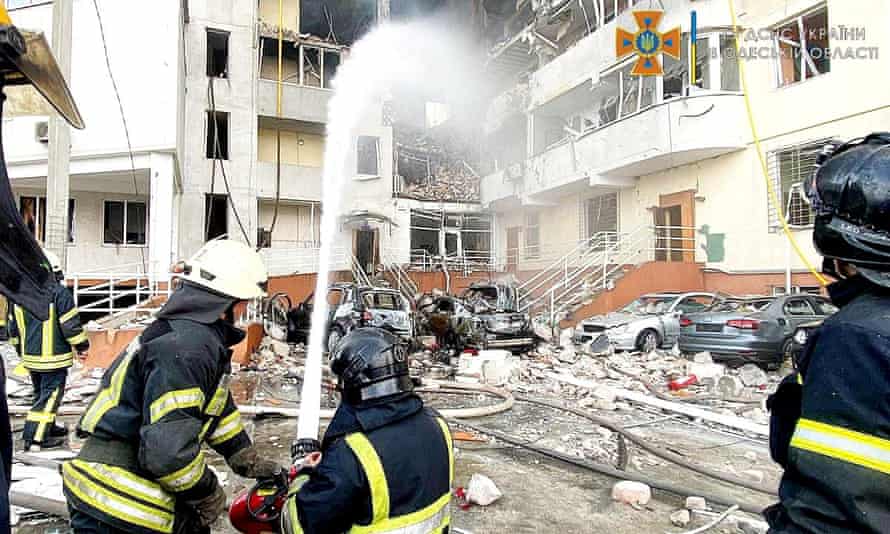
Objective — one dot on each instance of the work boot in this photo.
(51, 442)
(58, 431)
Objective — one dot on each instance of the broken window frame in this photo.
(325, 54)
(124, 223)
(591, 226)
(788, 177)
(466, 228)
(804, 68)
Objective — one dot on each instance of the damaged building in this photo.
(613, 174)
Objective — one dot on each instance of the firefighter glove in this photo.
(211, 507)
(248, 463)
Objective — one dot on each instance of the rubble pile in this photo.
(447, 158)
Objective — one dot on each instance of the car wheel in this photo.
(648, 340)
(334, 339)
(787, 353)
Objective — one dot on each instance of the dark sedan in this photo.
(751, 330)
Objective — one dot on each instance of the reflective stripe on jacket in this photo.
(161, 399)
(837, 459)
(434, 518)
(48, 345)
(352, 479)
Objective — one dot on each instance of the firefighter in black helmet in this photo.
(830, 420)
(387, 463)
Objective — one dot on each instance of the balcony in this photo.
(299, 102)
(503, 187)
(677, 132)
(297, 183)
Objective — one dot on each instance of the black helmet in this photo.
(371, 363)
(850, 194)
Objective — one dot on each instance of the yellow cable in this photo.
(774, 199)
(280, 52)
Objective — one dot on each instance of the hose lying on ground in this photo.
(643, 444)
(676, 489)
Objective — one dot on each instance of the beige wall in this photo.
(297, 148)
(290, 13)
(295, 222)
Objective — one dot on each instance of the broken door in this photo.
(365, 249)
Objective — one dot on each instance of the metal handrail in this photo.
(584, 247)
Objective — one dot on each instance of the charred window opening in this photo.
(304, 64)
(217, 53)
(368, 155)
(802, 45)
(600, 217)
(217, 135)
(414, 168)
(216, 216)
(337, 21)
(33, 211)
(406, 9)
(465, 236)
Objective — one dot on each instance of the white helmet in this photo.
(54, 262)
(229, 268)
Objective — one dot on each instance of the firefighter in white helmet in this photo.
(141, 469)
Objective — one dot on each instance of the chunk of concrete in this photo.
(681, 518)
(696, 503)
(706, 372)
(482, 490)
(630, 492)
(753, 376)
(703, 357)
(730, 386)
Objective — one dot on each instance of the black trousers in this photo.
(49, 388)
(82, 523)
(5, 453)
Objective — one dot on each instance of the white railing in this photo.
(591, 267)
(118, 289)
(288, 260)
(403, 282)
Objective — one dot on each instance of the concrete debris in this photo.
(753, 376)
(630, 492)
(729, 386)
(754, 474)
(482, 490)
(696, 503)
(703, 357)
(751, 526)
(706, 372)
(751, 456)
(681, 518)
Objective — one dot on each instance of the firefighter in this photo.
(386, 463)
(47, 351)
(141, 469)
(830, 421)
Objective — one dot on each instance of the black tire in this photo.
(648, 340)
(334, 338)
(786, 354)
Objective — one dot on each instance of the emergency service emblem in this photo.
(647, 43)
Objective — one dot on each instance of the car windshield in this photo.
(651, 305)
(742, 306)
(500, 298)
(382, 301)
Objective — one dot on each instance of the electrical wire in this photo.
(217, 159)
(773, 197)
(120, 107)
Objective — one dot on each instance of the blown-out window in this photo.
(125, 222)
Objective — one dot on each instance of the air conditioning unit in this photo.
(41, 132)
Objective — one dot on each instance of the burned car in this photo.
(650, 322)
(499, 323)
(351, 307)
(447, 318)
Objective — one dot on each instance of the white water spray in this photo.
(421, 57)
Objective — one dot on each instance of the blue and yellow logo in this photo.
(647, 43)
